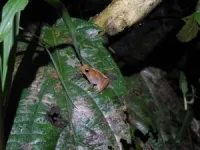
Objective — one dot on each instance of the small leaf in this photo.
(197, 17)
(187, 18)
(183, 84)
(189, 30)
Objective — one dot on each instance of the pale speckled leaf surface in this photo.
(98, 119)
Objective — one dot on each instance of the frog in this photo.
(95, 77)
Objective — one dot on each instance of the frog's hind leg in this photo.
(91, 85)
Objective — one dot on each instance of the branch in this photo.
(123, 13)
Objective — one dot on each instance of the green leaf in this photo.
(9, 28)
(189, 30)
(9, 50)
(197, 17)
(97, 118)
(183, 85)
(8, 13)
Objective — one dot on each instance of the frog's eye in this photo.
(86, 70)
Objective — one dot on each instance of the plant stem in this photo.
(186, 122)
(185, 102)
(63, 13)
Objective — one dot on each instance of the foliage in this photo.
(190, 29)
(9, 29)
(97, 118)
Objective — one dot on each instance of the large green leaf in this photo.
(98, 119)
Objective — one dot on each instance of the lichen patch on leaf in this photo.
(26, 147)
(92, 33)
(116, 120)
(82, 112)
(48, 100)
(34, 93)
(74, 62)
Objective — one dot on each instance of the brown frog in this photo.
(95, 77)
